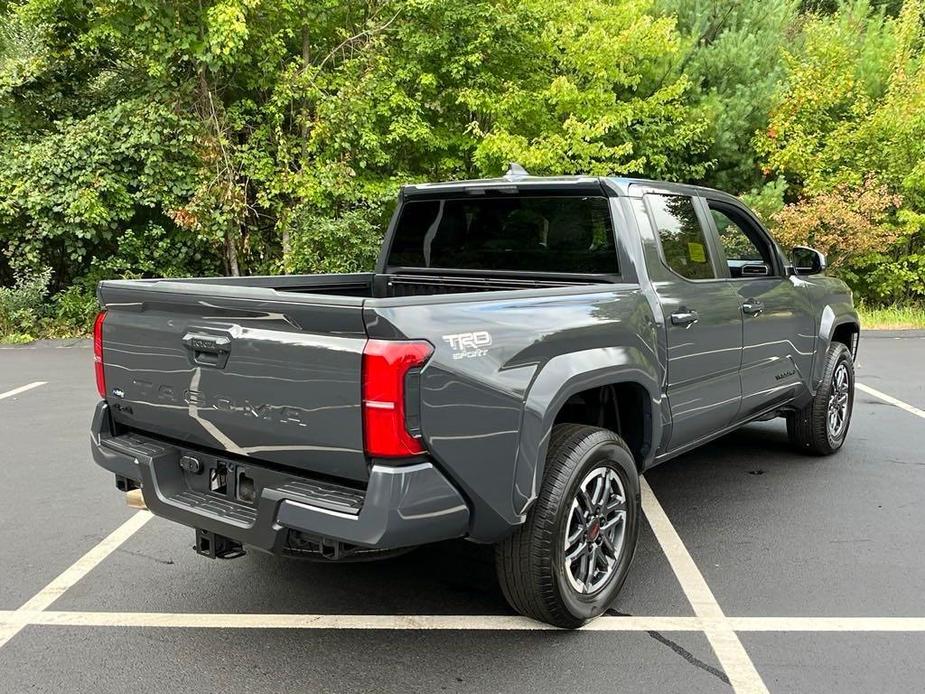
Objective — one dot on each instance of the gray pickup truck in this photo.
(526, 348)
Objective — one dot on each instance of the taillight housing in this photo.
(388, 365)
(98, 353)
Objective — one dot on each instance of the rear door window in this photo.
(527, 234)
(682, 238)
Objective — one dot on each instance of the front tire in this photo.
(567, 562)
(821, 427)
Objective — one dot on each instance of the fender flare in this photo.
(562, 377)
(833, 317)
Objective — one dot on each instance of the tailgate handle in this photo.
(208, 350)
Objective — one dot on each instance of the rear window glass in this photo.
(530, 234)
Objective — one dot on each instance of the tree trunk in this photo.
(231, 253)
(212, 118)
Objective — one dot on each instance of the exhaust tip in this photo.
(134, 499)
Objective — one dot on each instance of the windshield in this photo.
(528, 234)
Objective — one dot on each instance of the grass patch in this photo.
(895, 317)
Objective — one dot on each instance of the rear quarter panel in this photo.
(503, 364)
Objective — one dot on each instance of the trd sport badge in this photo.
(469, 345)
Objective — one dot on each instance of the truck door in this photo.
(703, 319)
(778, 320)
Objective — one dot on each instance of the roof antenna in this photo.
(515, 170)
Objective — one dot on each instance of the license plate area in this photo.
(226, 479)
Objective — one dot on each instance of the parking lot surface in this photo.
(758, 569)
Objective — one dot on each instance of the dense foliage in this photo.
(171, 137)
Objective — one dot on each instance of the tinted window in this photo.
(736, 244)
(541, 234)
(747, 250)
(684, 243)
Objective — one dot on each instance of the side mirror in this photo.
(807, 261)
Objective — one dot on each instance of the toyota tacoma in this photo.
(525, 349)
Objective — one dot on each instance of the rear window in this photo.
(529, 234)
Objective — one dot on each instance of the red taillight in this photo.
(98, 353)
(385, 369)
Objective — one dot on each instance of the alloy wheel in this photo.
(837, 415)
(595, 531)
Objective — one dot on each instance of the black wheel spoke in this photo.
(585, 501)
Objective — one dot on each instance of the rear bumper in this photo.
(401, 506)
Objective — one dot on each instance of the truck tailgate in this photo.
(250, 371)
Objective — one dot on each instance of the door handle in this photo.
(752, 307)
(684, 317)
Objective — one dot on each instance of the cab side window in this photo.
(683, 241)
(747, 251)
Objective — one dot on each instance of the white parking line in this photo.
(22, 389)
(729, 650)
(907, 624)
(388, 622)
(45, 597)
(195, 620)
(890, 399)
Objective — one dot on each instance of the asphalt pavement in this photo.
(787, 544)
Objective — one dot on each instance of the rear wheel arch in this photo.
(574, 396)
(623, 407)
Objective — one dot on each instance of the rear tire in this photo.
(567, 562)
(820, 428)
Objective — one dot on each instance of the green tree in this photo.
(853, 112)
(731, 53)
(233, 126)
(597, 98)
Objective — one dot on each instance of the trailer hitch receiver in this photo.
(215, 546)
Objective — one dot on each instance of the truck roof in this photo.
(519, 178)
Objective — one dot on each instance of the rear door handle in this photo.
(685, 318)
(752, 307)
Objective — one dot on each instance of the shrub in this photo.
(845, 222)
(23, 305)
(75, 309)
(896, 277)
(348, 243)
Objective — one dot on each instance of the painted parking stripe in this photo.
(890, 399)
(76, 571)
(725, 643)
(22, 389)
(199, 620)
(195, 620)
(847, 624)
